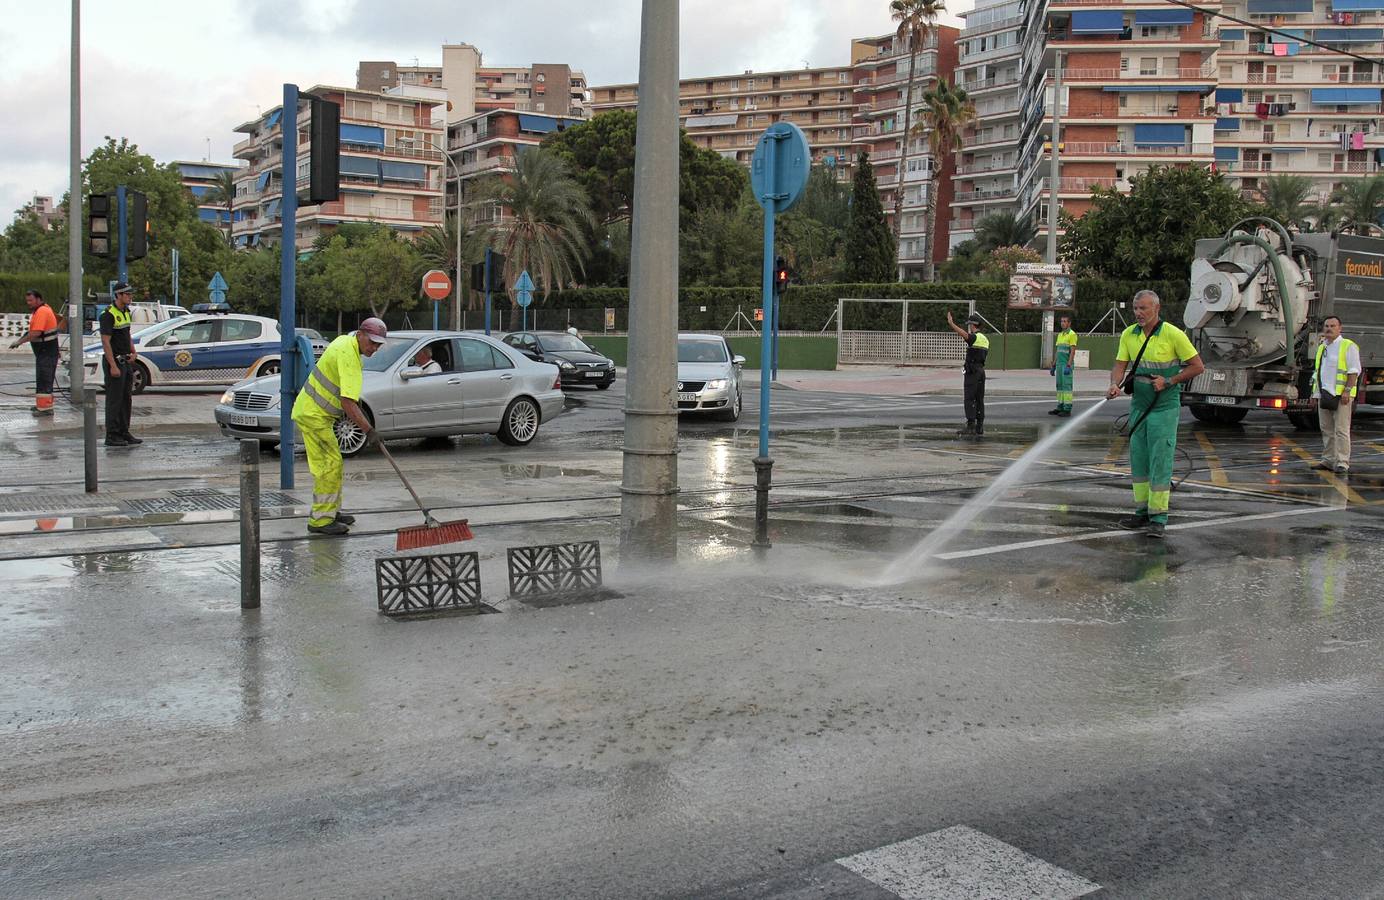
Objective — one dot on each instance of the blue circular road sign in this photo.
(780, 166)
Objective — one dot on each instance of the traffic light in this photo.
(324, 154)
(497, 272)
(136, 225)
(99, 224)
(478, 277)
(780, 275)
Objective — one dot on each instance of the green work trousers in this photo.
(1063, 370)
(1151, 449)
(324, 460)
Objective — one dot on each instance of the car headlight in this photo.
(227, 398)
(716, 384)
(564, 364)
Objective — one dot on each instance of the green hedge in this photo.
(53, 287)
(810, 307)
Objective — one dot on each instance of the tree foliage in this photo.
(1361, 203)
(1152, 231)
(915, 21)
(947, 110)
(1003, 229)
(870, 248)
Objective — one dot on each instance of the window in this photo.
(1227, 73)
(191, 333)
(1124, 63)
(474, 356)
(1148, 65)
(1324, 160)
(360, 109)
(240, 330)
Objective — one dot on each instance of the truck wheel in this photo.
(1304, 421)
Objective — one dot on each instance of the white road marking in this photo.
(958, 863)
(1098, 535)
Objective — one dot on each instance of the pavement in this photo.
(910, 695)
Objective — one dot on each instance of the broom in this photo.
(432, 532)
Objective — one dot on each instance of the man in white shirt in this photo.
(424, 360)
(1335, 373)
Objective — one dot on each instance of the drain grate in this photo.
(429, 583)
(552, 569)
(202, 500)
(21, 503)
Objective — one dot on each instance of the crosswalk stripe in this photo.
(961, 862)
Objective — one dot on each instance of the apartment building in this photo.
(987, 68)
(391, 168)
(881, 71)
(488, 143)
(472, 87)
(727, 113)
(1283, 106)
(199, 178)
(1138, 82)
(44, 210)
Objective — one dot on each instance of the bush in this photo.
(52, 285)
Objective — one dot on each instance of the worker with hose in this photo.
(332, 391)
(1064, 357)
(1163, 359)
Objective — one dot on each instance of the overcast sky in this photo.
(171, 74)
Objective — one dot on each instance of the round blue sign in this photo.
(779, 169)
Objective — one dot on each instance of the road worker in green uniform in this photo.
(1064, 357)
(331, 392)
(1164, 360)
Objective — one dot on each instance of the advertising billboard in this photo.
(1042, 287)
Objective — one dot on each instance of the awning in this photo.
(368, 135)
(1227, 154)
(401, 171)
(540, 124)
(261, 181)
(1343, 96)
(199, 190)
(1278, 7)
(1160, 135)
(1157, 89)
(1163, 17)
(273, 118)
(271, 209)
(1356, 5)
(1230, 95)
(1099, 21)
(1227, 125)
(1236, 34)
(711, 121)
(241, 240)
(1349, 35)
(360, 166)
(1277, 149)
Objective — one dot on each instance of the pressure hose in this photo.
(1289, 329)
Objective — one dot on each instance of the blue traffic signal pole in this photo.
(763, 463)
(121, 273)
(288, 285)
(778, 303)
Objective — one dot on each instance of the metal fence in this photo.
(899, 345)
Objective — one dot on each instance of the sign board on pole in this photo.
(437, 284)
(523, 289)
(609, 319)
(758, 315)
(1041, 286)
(780, 181)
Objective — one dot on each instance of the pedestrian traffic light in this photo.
(780, 275)
(99, 224)
(324, 154)
(136, 225)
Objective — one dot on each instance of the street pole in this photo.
(648, 489)
(456, 288)
(175, 276)
(288, 283)
(486, 279)
(1054, 185)
(763, 463)
(120, 267)
(74, 217)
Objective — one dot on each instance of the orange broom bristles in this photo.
(434, 535)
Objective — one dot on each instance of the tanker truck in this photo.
(1254, 311)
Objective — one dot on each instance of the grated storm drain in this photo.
(21, 503)
(195, 500)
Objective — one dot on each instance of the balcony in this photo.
(489, 164)
(1081, 185)
(988, 194)
(984, 168)
(1100, 148)
(242, 146)
(1115, 74)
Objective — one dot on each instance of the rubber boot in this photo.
(968, 431)
(980, 428)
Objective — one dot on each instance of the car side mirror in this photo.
(738, 360)
(408, 373)
(171, 341)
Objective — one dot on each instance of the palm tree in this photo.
(1361, 201)
(548, 217)
(1321, 215)
(437, 247)
(1003, 229)
(222, 191)
(916, 20)
(1285, 197)
(947, 110)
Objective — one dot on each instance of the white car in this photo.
(484, 387)
(214, 350)
(708, 376)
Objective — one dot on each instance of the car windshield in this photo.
(310, 333)
(561, 342)
(387, 355)
(707, 351)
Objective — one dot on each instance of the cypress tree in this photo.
(870, 249)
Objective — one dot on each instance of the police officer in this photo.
(43, 337)
(118, 361)
(977, 348)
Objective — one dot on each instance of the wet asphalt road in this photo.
(1201, 717)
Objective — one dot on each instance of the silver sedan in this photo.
(708, 376)
(473, 385)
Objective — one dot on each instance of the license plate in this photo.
(243, 419)
(595, 375)
(1221, 401)
(684, 398)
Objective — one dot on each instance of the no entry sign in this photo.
(437, 285)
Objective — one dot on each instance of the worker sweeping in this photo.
(1064, 356)
(332, 391)
(1163, 359)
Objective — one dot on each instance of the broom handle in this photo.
(427, 516)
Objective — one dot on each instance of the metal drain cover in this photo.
(52, 503)
(202, 500)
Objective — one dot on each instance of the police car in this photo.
(213, 350)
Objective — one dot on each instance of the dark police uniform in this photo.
(115, 324)
(977, 348)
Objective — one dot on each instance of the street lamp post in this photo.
(456, 283)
